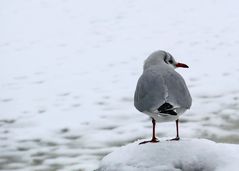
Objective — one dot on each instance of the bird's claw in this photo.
(174, 139)
(153, 140)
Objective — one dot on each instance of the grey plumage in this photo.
(160, 84)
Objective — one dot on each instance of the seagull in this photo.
(161, 92)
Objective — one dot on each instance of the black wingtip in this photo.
(167, 108)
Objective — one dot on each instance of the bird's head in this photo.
(162, 57)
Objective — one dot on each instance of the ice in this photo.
(185, 155)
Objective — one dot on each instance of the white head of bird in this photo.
(162, 57)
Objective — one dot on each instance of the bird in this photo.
(161, 92)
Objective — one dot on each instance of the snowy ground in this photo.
(69, 68)
(184, 155)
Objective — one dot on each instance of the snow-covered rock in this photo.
(183, 155)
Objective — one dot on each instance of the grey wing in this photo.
(150, 92)
(178, 93)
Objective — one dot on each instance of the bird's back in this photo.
(157, 86)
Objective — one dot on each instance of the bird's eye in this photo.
(170, 61)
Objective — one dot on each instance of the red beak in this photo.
(181, 65)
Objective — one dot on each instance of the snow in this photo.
(184, 155)
(68, 71)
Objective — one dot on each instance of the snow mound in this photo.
(183, 155)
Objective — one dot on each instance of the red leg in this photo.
(177, 136)
(154, 139)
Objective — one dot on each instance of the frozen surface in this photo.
(184, 155)
(68, 71)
